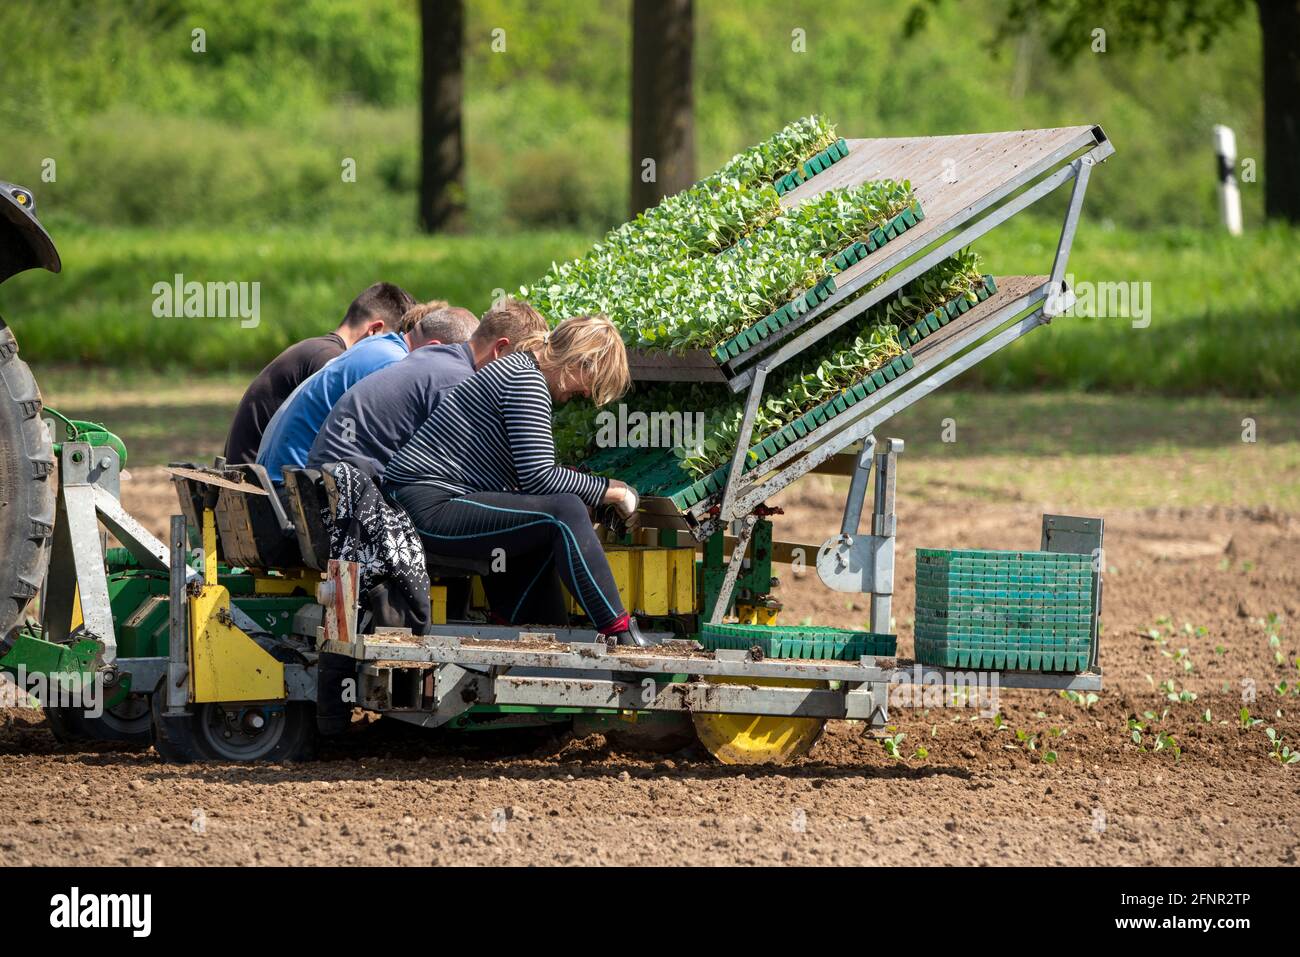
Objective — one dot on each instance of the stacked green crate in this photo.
(1026, 611)
(799, 641)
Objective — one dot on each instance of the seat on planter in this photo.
(306, 498)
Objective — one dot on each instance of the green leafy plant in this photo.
(892, 744)
(1084, 701)
(1153, 740)
(705, 263)
(1281, 752)
(840, 360)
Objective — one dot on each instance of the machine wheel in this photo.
(759, 739)
(235, 733)
(129, 722)
(654, 733)
(26, 486)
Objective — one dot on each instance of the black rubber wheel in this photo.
(659, 733)
(235, 733)
(26, 486)
(130, 722)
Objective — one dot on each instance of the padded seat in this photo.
(253, 529)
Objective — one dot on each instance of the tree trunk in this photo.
(663, 105)
(442, 87)
(1279, 21)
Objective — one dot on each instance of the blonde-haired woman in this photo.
(479, 478)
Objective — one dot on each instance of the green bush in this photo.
(298, 84)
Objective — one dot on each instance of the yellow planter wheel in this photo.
(758, 739)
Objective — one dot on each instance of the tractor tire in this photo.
(131, 722)
(204, 734)
(27, 487)
(659, 733)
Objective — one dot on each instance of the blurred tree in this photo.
(663, 102)
(442, 88)
(1175, 26)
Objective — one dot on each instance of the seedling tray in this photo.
(811, 421)
(655, 471)
(936, 319)
(1029, 611)
(799, 641)
(756, 333)
(811, 167)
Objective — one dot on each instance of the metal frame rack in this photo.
(967, 185)
(432, 680)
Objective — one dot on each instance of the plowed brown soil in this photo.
(979, 796)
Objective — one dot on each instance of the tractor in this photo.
(241, 638)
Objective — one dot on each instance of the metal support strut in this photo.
(851, 562)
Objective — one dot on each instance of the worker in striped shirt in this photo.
(479, 479)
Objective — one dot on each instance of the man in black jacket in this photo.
(377, 310)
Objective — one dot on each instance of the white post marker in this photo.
(1225, 145)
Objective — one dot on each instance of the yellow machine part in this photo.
(651, 580)
(77, 620)
(305, 579)
(225, 664)
(438, 604)
(758, 739)
(751, 614)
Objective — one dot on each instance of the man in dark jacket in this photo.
(377, 415)
(377, 310)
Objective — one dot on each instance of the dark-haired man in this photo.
(377, 310)
(292, 430)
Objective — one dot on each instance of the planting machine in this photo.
(238, 638)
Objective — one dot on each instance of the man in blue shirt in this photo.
(377, 416)
(291, 431)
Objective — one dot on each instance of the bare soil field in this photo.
(1201, 575)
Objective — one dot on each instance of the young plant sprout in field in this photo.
(1170, 690)
(1084, 701)
(1159, 740)
(1281, 753)
(892, 743)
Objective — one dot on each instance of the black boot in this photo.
(632, 636)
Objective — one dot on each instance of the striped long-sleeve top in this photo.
(492, 433)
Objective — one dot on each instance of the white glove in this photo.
(626, 503)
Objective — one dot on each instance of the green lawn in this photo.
(1223, 320)
(1097, 451)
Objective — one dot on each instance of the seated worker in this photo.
(479, 478)
(378, 309)
(292, 430)
(378, 414)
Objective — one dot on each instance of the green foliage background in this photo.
(252, 131)
(226, 165)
